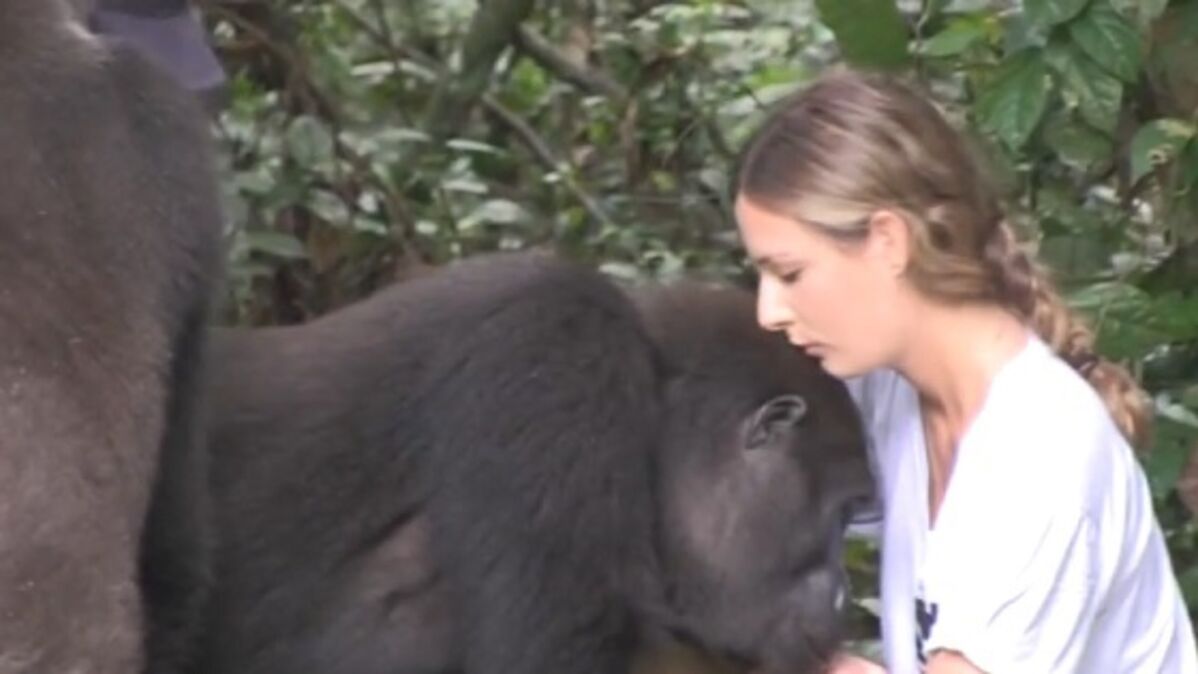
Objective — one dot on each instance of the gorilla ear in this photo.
(774, 420)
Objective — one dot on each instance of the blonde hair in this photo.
(853, 142)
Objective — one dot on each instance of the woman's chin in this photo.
(837, 366)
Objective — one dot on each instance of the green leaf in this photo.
(1014, 101)
(1121, 313)
(1188, 580)
(467, 145)
(499, 211)
(1176, 315)
(1113, 296)
(308, 141)
(328, 207)
(1157, 142)
(623, 271)
(1111, 40)
(1145, 11)
(1021, 32)
(1189, 166)
(1174, 437)
(258, 181)
(871, 33)
(1097, 94)
(1078, 145)
(958, 36)
(279, 244)
(1052, 12)
(1074, 256)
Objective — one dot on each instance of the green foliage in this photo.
(1086, 109)
(1016, 99)
(1052, 12)
(1110, 39)
(871, 33)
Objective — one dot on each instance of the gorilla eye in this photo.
(774, 420)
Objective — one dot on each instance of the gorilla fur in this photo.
(109, 249)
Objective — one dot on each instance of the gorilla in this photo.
(513, 466)
(109, 252)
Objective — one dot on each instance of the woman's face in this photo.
(840, 302)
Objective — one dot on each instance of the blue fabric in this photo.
(176, 43)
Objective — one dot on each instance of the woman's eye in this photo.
(790, 276)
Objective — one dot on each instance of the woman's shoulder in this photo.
(1047, 425)
(1042, 399)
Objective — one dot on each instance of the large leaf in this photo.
(309, 141)
(279, 244)
(1097, 94)
(1052, 12)
(497, 211)
(1110, 39)
(1121, 314)
(960, 34)
(1176, 314)
(1175, 432)
(1158, 142)
(871, 33)
(1012, 104)
(1078, 145)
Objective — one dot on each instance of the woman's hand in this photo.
(852, 664)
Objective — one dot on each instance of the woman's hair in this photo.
(854, 142)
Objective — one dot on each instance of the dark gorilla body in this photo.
(507, 467)
(109, 245)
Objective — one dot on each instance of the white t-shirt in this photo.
(1046, 555)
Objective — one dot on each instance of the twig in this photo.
(528, 136)
(492, 30)
(553, 59)
(541, 150)
(296, 67)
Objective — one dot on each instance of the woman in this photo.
(1018, 531)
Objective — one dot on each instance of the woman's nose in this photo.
(772, 312)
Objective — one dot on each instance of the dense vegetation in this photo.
(366, 139)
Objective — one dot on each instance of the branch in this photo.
(492, 29)
(541, 150)
(528, 136)
(286, 54)
(553, 59)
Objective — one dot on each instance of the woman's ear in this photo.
(890, 240)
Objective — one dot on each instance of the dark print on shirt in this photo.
(925, 618)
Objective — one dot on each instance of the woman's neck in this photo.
(954, 356)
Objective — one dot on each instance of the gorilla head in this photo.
(762, 464)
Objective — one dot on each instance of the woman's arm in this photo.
(852, 664)
(951, 662)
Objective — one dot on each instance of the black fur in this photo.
(508, 467)
(109, 249)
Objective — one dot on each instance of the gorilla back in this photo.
(507, 466)
(109, 241)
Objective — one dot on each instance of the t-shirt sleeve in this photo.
(1021, 593)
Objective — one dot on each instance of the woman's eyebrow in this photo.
(769, 261)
